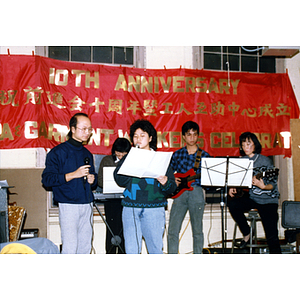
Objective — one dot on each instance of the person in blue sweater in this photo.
(183, 160)
(71, 175)
(145, 199)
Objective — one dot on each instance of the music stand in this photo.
(226, 172)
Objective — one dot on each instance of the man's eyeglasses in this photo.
(85, 129)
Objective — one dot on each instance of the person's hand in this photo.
(82, 171)
(258, 182)
(232, 192)
(90, 178)
(162, 179)
(177, 181)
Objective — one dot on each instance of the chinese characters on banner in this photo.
(38, 96)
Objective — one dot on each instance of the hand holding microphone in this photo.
(82, 172)
(87, 163)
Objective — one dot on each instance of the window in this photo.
(243, 59)
(94, 54)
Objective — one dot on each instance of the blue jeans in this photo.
(143, 222)
(194, 202)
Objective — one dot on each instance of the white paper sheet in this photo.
(109, 184)
(144, 163)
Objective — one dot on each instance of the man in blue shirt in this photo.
(183, 160)
(71, 174)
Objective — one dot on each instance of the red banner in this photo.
(39, 95)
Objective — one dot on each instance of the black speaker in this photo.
(291, 214)
(4, 229)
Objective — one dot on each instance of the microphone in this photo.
(86, 162)
(137, 146)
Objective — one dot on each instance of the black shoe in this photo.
(244, 244)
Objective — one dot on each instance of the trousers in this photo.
(143, 222)
(269, 219)
(194, 202)
(76, 225)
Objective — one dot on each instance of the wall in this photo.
(17, 49)
(171, 57)
(28, 192)
(292, 65)
(22, 158)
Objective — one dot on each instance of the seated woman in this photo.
(263, 196)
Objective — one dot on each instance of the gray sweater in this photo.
(260, 164)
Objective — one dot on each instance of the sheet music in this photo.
(109, 184)
(144, 163)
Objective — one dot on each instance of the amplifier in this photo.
(291, 214)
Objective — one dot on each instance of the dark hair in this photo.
(146, 126)
(188, 126)
(73, 122)
(120, 145)
(250, 136)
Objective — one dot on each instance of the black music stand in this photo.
(116, 239)
(222, 173)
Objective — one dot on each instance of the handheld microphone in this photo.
(86, 162)
(137, 146)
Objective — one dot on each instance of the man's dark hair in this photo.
(250, 136)
(73, 122)
(146, 126)
(188, 126)
(120, 145)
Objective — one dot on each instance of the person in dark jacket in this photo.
(144, 198)
(71, 175)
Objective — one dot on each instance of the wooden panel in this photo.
(29, 193)
(295, 132)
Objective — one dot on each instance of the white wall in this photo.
(293, 68)
(17, 49)
(22, 158)
(171, 57)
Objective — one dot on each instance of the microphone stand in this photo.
(115, 240)
(223, 204)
